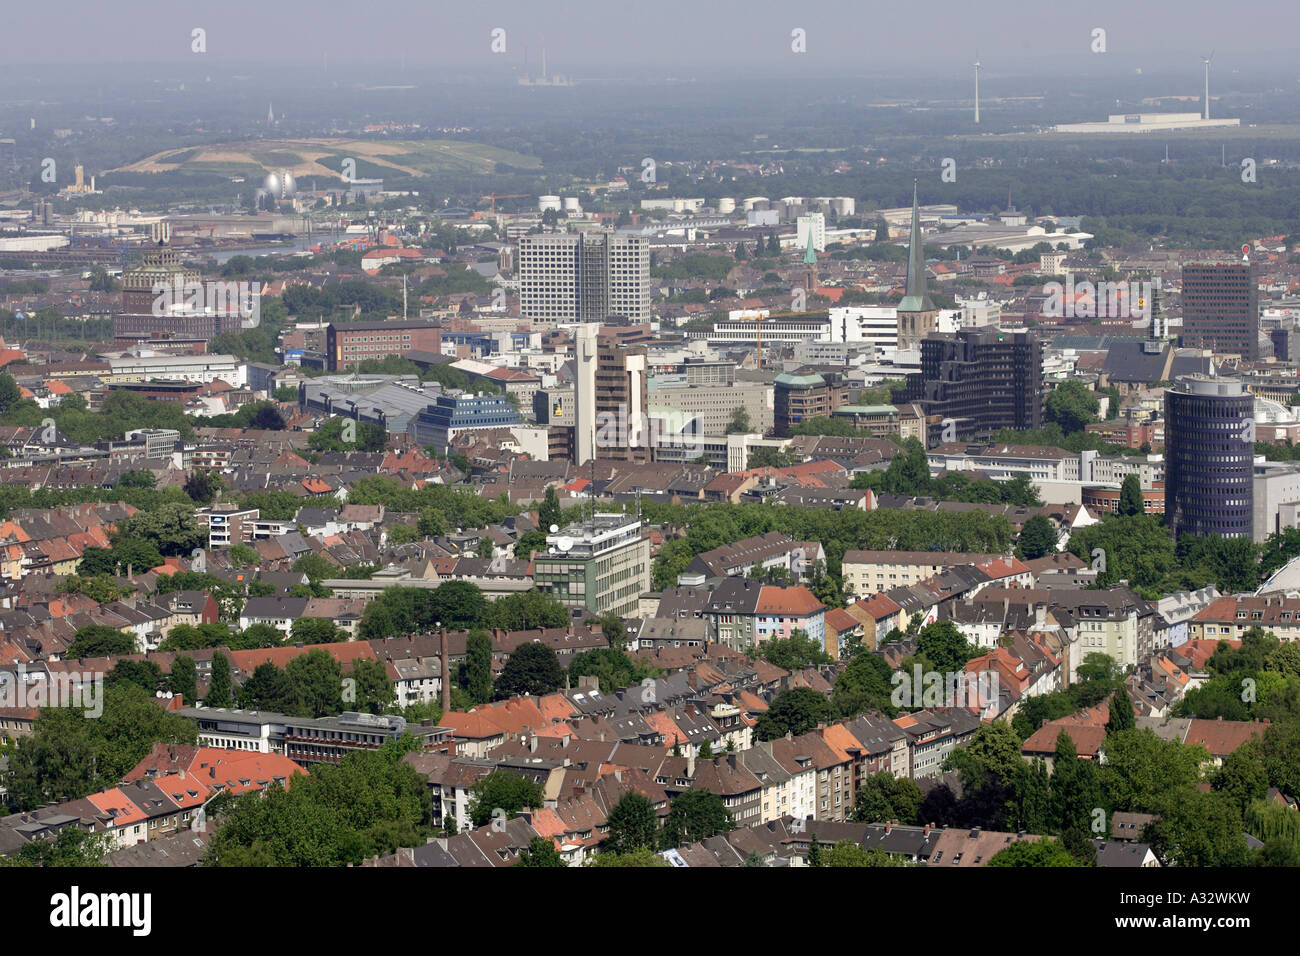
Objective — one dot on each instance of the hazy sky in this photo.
(667, 37)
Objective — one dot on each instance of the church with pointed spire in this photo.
(810, 282)
(917, 314)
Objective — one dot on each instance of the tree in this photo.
(1072, 405)
(814, 852)
(202, 486)
(133, 479)
(170, 527)
(614, 630)
(244, 556)
(532, 668)
(884, 797)
(370, 690)
(219, 683)
(766, 456)
(1075, 789)
(1198, 829)
(794, 652)
(613, 668)
(540, 852)
(632, 824)
(72, 752)
(1037, 854)
(740, 423)
(317, 681)
(476, 671)
(1037, 538)
(145, 674)
(795, 711)
(944, 647)
(100, 640)
(1130, 497)
(317, 630)
(267, 418)
(267, 688)
(1121, 712)
(370, 804)
(1243, 779)
(846, 853)
(9, 393)
(502, 793)
(548, 513)
(695, 815)
(529, 542)
(865, 684)
(72, 847)
(183, 680)
(458, 604)
(638, 858)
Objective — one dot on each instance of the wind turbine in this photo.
(978, 65)
(1206, 60)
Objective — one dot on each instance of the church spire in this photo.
(810, 255)
(917, 298)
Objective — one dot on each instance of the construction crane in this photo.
(758, 321)
(495, 196)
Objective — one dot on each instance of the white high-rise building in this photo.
(875, 324)
(584, 277)
(816, 224)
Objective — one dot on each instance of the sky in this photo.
(666, 37)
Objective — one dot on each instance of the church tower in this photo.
(917, 315)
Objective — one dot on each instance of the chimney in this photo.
(928, 827)
(889, 825)
(445, 673)
(690, 764)
(532, 744)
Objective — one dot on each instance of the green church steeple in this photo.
(917, 297)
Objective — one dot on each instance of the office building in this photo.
(586, 277)
(1221, 308)
(1209, 456)
(601, 565)
(622, 408)
(799, 397)
(451, 414)
(349, 344)
(156, 297)
(978, 381)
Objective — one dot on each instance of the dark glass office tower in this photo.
(1221, 308)
(1209, 451)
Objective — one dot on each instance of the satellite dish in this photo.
(554, 527)
(564, 544)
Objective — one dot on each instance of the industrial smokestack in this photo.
(446, 674)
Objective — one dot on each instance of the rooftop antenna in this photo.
(591, 493)
(978, 66)
(1206, 60)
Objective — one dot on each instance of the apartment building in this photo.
(870, 572)
(584, 277)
